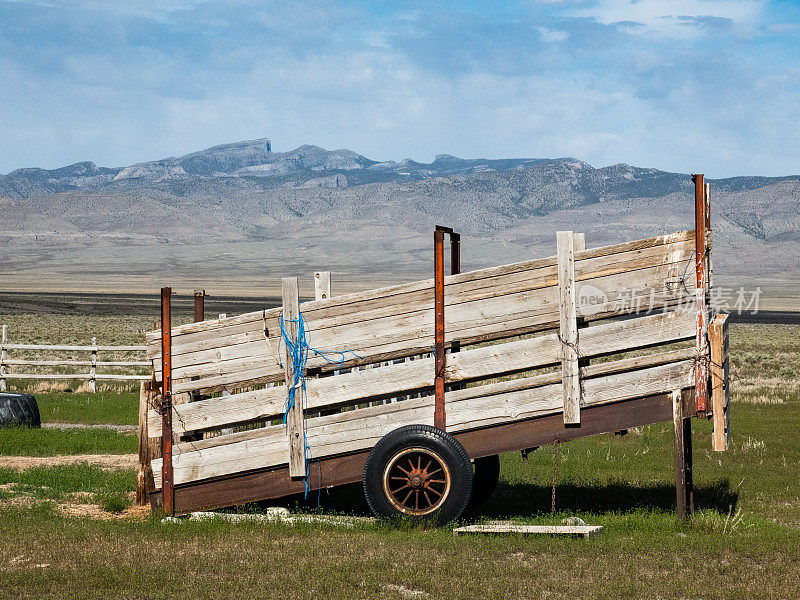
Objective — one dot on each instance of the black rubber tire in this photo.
(19, 410)
(426, 437)
(487, 474)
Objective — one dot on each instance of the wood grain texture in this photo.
(397, 292)
(295, 417)
(412, 334)
(468, 365)
(399, 299)
(720, 365)
(568, 328)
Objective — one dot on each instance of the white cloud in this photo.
(669, 17)
(551, 35)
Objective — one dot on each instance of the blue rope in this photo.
(298, 351)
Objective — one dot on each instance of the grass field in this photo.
(116, 408)
(743, 542)
(17, 441)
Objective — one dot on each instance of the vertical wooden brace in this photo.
(568, 328)
(720, 401)
(322, 285)
(294, 417)
(684, 488)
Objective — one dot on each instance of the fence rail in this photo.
(93, 363)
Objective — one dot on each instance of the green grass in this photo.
(21, 441)
(641, 555)
(743, 542)
(66, 481)
(102, 407)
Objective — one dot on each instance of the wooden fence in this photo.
(93, 363)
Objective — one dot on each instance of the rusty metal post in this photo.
(199, 305)
(701, 364)
(438, 347)
(168, 494)
(439, 419)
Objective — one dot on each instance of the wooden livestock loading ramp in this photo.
(403, 387)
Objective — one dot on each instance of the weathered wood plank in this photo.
(233, 347)
(586, 531)
(494, 389)
(467, 323)
(397, 290)
(144, 474)
(460, 288)
(467, 365)
(341, 433)
(568, 329)
(295, 417)
(76, 348)
(718, 340)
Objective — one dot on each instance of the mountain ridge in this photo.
(220, 209)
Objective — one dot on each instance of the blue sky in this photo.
(684, 85)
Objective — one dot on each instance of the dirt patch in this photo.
(85, 510)
(94, 511)
(106, 461)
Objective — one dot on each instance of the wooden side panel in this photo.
(399, 295)
(263, 484)
(252, 359)
(357, 430)
(471, 364)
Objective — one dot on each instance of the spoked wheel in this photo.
(416, 481)
(419, 471)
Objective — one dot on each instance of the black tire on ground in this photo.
(487, 474)
(19, 410)
(418, 471)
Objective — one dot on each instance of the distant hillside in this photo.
(242, 215)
